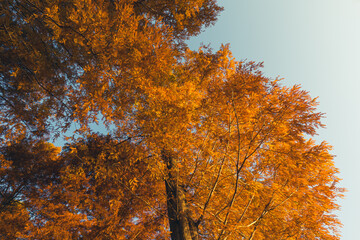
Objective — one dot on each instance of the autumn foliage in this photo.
(198, 145)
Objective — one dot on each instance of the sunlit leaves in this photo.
(194, 133)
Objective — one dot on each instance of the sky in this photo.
(314, 43)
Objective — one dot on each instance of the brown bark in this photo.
(182, 226)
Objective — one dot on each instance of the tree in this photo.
(26, 167)
(200, 146)
(103, 191)
(55, 51)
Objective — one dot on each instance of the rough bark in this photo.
(182, 226)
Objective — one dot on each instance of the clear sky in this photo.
(314, 43)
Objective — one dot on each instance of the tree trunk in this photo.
(182, 226)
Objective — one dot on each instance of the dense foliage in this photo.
(199, 145)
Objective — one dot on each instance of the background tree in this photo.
(26, 167)
(104, 191)
(199, 144)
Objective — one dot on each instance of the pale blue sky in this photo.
(315, 43)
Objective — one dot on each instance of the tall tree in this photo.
(200, 146)
(57, 52)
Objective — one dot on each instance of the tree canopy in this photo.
(199, 145)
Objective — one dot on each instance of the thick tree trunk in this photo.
(182, 226)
